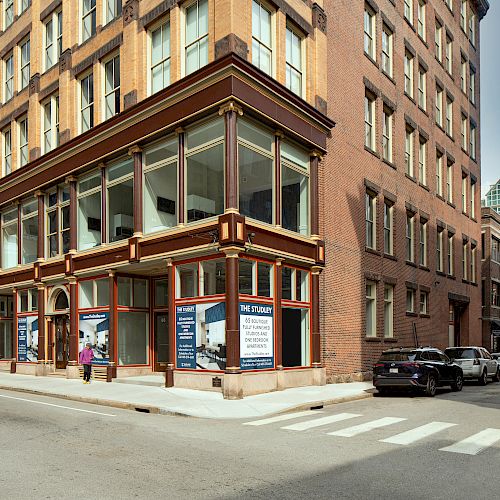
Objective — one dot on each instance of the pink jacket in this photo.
(86, 356)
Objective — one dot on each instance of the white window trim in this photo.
(182, 19)
(53, 100)
(6, 131)
(105, 61)
(19, 123)
(56, 36)
(82, 77)
(272, 10)
(303, 53)
(27, 65)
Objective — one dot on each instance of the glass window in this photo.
(8, 80)
(410, 300)
(294, 188)
(388, 311)
(89, 211)
(205, 171)
(293, 61)
(140, 292)
(187, 280)
(196, 33)
(23, 141)
(422, 88)
(449, 182)
(450, 255)
(387, 50)
(161, 293)
(25, 63)
(86, 294)
(286, 283)
(296, 338)
(160, 187)
(387, 135)
(439, 174)
(9, 239)
(449, 55)
(6, 339)
(423, 243)
(388, 232)
(133, 338)
(424, 302)
(124, 291)
(7, 152)
(256, 169)
(50, 124)
(301, 285)
(262, 49)
(87, 102)
(112, 87)
(88, 19)
(264, 279)
(113, 9)
(449, 117)
(409, 73)
(371, 309)
(102, 289)
(370, 122)
(370, 206)
(8, 18)
(438, 34)
(410, 238)
(52, 39)
(439, 251)
(120, 187)
(421, 22)
(160, 57)
(29, 231)
(247, 277)
(214, 276)
(369, 32)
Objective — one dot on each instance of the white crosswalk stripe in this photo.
(281, 418)
(418, 433)
(317, 422)
(368, 426)
(475, 443)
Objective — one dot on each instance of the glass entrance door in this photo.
(61, 341)
(161, 341)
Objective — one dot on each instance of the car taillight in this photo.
(476, 362)
(379, 365)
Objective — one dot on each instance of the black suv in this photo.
(423, 368)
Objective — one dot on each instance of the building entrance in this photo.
(160, 341)
(61, 340)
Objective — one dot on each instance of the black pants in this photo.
(87, 370)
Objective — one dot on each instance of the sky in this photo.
(490, 96)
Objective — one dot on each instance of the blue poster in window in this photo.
(27, 339)
(94, 329)
(22, 339)
(256, 336)
(185, 331)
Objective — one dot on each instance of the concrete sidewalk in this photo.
(187, 402)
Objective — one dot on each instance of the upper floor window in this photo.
(29, 231)
(120, 199)
(23, 141)
(262, 44)
(439, 106)
(472, 29)
(409, 10)
(9, 238)
(463, 132)
(438, 37)
(463, 14)
(388, 229)
(439, 251)
(112, 87)
(50, 123)
(449, 182)
(409, 151)
(53, 39)
(389, 311)
(473, 141)
(463, 74)
(421, 24)
(472, 198)
(387, 135)
(465, 266)
(370, 32)
(423, 242)
(24, 68)
(422, 161)
(450, 267)
(8, 13)
(410, 237)
(196, 34)
(294, 79)
(371, 309)
(464, 194)
(387, 50)
(472, 85)
(439, 174)
(6, 152)
(422, 88)
(113, 9)
(449, 116)
(89, 211)
(87, 102)
(409, 73)
(369, 122)
(449, 3)
(88, 19)
(160, 57)
(8, 79)
(370, 217)
(57, 221)
(449, 55)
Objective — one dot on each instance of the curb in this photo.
(139, 407)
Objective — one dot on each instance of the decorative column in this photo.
(319, 375)
(314, 167)
(104, 236)
(73, 235)
(278, 314)
(181, 210)
(169, 374)
(111, 369)
(40, 252)
(50, 337)
(19, 235)
(230, 111)
(41, 324)
(136, 153)
(72, 368)
(278, 137)
(233, 387)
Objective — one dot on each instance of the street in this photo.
(393, 447)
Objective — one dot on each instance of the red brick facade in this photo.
(350, 169)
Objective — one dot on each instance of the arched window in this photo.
(61, 302)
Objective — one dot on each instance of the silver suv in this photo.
(476, 363)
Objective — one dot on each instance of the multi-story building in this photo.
(490, 277)
(400, 189)
(492, 197)
(159, 187)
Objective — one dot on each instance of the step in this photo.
(98, 372)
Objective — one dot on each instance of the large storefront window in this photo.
(256, 278)
(6, 327)
(89, 211)
(160, 186)
(9, 238)
(57, 221)
(120, 187)
(29, 231)
(205, 170)
(256, 168)
(294, 188)
(133, 338)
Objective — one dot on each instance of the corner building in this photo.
(400, 190)
(159, 190)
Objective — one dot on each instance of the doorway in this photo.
(160, 341)
(61, 340)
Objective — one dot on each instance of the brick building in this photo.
(401, 185)
(159, 189)
(490, 277)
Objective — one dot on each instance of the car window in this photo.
(399, 356)
(434, 356)
(425, 356)
(444, 358)
(486, 354)
(461, 353)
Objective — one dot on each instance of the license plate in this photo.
(393, 370)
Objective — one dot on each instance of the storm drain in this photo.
(142, 410)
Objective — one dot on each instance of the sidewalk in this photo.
(187, 402)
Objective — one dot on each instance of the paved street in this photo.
(395, 447)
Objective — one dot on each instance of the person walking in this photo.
(86, 357)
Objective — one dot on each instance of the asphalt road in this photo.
(63, 449)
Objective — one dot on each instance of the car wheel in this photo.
(458, 383)
(496, 377)
(383, 391)
(430, 389)
(483, 379)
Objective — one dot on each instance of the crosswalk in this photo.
(469, 445)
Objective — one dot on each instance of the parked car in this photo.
(423, 368)
(476, 363)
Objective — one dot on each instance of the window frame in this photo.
(409, 151)
(409, 59)
(111, 60)
(439, 173)
(24, 64)
(198, 39)
(387, 124)
(92, 14)
(6, 151)
(8, 77)
(423, 239)
(53, 130)
(439, 251)
(22, 143)
(388, 227)
(116, 11)
(60, 231)
(422, 161)
(438, 41)
(164, 23)
(422, 88)
(421, 19)
(410, 237)
(289, 65)
(370, 36)
(370, 121)
(389, 306)
(371, 303)
(450, 255)
(387, 50)
(90, 106)
(55, 47)
(371, 220)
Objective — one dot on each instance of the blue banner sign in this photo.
(256, 336)
(22, 339)
(185, 330)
